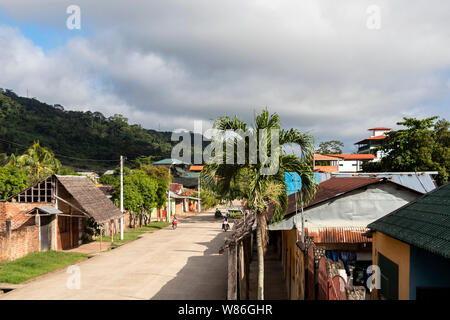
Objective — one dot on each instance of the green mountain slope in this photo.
(82, 135)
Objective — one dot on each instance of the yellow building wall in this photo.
(398, 252)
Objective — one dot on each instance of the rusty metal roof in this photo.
(337, 186)
(338, 234)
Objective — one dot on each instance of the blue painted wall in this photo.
(294, 182)
(427, 270)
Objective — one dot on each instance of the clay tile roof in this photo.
(90, 198)
(379, 128)
(327, 169)
(318, 156)
(380, 137)
(359, 156)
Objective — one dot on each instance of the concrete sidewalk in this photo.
(168, 264)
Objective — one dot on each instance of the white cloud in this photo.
(167, 63)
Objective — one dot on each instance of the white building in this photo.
(341, 162)
(367, 146)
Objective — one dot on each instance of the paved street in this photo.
(167, 264)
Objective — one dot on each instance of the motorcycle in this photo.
(218, 214)
(225, 226)
(174, 224)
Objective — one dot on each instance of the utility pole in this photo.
(121, 197)
(303, 220)
(199, 198)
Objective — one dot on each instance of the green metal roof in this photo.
(169, 161)
(424, 223)
(191, 175)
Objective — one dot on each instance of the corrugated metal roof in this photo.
(338, 234)
(424, 223)
(176, 187)
(336, 186)
(169, 161)
(49, 210)
(420, 181)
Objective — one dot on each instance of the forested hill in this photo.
(85, 135)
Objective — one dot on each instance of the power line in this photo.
(58, 154)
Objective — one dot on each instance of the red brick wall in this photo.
(23, 241)
(24, 232)
(16, 211)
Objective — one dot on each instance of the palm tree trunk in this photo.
(259, 244)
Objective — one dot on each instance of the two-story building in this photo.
(367, 145)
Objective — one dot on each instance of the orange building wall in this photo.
(398, 252)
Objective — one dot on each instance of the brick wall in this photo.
(24, 232)
(23, 241)
(16, 211)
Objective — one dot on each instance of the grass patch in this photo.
(36, 264)
(127, 236)
(154, 226)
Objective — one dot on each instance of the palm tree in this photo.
(37, 162)
(246, 180)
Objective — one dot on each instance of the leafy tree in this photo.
(64, 171)
(4, 159)
(12, 181)
(143, 194)
(147, 188)
(162, 176)
(208, 198)
(109, 179)
(132, 197)
(141, 161)
(424, 145)
(115, 177)
(37, 162)
(247, 181)
(330, 147)
(157, 172)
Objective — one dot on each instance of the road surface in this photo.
(167, 264)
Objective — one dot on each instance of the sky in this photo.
(321, 65)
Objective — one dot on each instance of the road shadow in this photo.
(203, 277)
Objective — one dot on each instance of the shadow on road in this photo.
(203, 277)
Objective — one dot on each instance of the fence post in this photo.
(8, 233)
(232, 272)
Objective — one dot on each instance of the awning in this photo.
(44, 211)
